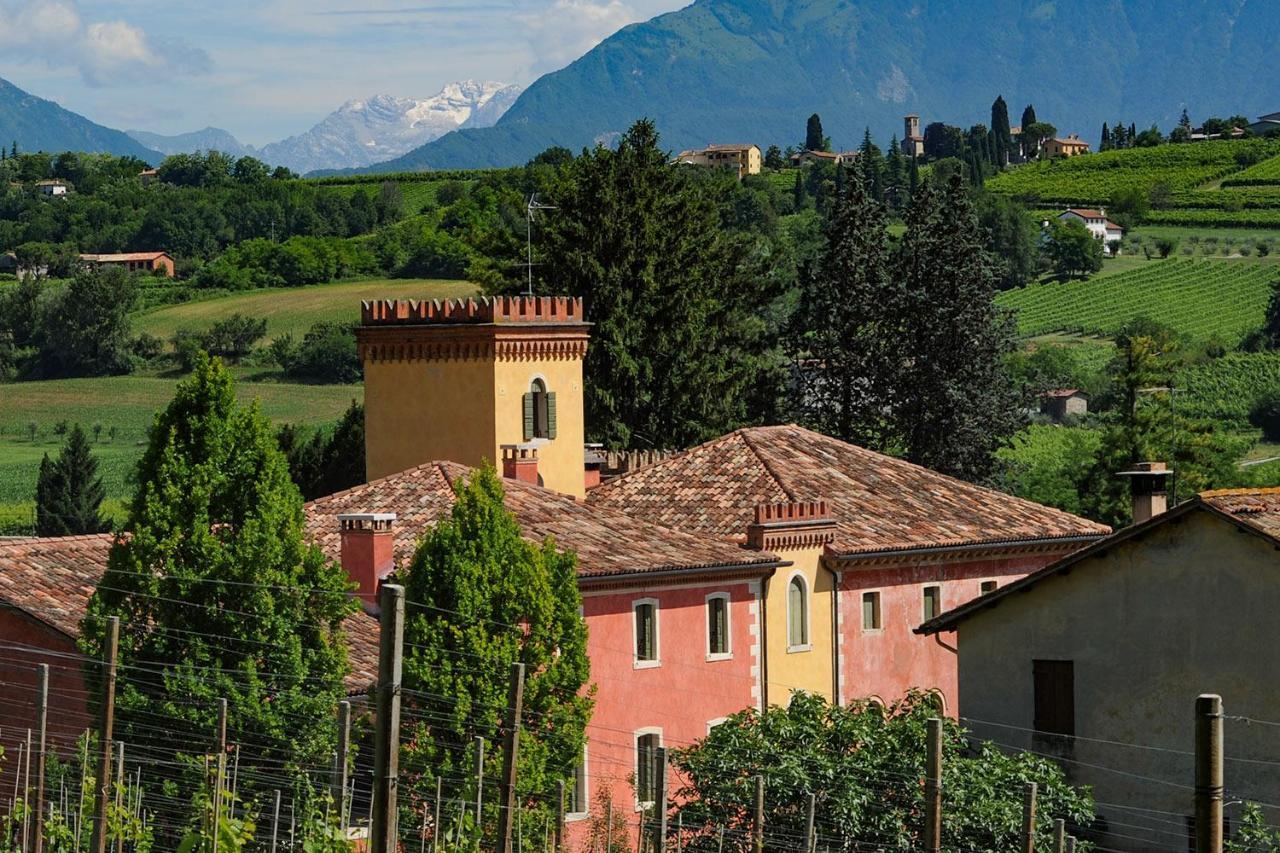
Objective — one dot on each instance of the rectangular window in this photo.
(986, 587)
(647, 770)
(718, 625)
(576, 790)
(1055, 702)
(871, 611)
(646, 631)
(932, 602)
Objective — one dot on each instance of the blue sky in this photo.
(265, 69)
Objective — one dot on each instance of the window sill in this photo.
(873, 631)
(718, 656)
(573, 817)
(807, 647)
(646, 664)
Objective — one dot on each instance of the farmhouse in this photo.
(1098, 659)
(838, 158)
(1266, 124)
(1098, 224)
(51, 188)
(746, 159)
(1061, 402)
(134, 261)
(1072, 146)
(148, 176)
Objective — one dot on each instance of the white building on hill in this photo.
(1098, 224)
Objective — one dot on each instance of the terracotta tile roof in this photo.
(607, 542)
(1256, 508)
(123, 257)
(879, 503)
(1064, 392)
(52, 579)
(1090, 214)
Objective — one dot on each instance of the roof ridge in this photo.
(323, 499)
(28, 541)
(791, 495)
(1240, 492)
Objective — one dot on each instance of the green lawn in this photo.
(294, 309)
(127, 403)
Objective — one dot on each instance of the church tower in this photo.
(473, 379)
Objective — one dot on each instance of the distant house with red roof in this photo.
(133, 261)
(1061, 402)
(1098, 224)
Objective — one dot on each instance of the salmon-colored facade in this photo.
(678, 697)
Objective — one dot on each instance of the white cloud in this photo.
(563, 30)
(104, 52)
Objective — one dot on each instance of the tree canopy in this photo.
(69, 492)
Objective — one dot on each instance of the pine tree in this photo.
(69, 492)
(843, 334)
(679, 352)
(484, 597)
(895, 174)
(813, 138)
(1133, 133)
(1185, 120)
(1001, 132)
(1105, 144)
(874, 169)
(1028, 119)
(219, 596)
(959, 404)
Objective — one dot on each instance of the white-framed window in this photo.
(648, 773)
(577, 797)
(986, 587)
(932, 602)
(718, 642)
(645, 611)
(797, 614)
(871, 611)
(711, 724)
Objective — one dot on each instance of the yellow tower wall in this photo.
(560, 460)
(790, 669)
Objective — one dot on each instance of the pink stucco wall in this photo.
(888, 662)
(678, 698)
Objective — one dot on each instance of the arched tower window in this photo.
(539, 411)
(797, 613)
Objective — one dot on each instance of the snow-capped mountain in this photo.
(362, 132)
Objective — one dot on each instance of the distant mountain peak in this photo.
(40, 125)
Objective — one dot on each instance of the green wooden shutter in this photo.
(528, 417)
(551, 414)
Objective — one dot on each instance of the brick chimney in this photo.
(520, 462)
(592, 462)
(1148, 483)
(368, 551)
(790, 526)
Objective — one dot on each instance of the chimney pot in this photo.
(520, 462)
(368, 551)
(1148, 483)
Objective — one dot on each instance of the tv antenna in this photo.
(531, 209)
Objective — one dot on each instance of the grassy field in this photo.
(127, 404)
(1206, 299)
(293, 310)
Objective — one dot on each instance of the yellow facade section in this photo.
(560, 459)
(809, 666)
(464, 410)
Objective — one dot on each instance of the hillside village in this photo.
(798, 494)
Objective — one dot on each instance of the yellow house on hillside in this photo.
(745, 158)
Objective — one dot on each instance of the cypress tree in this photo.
(895, 173)
(874, 168)
(842, 336)
(813, 137)
(69, 492)
(486, 597)
(1001, 131)
(1028, 119)
(958, 403)
(1133, 133)
(219, 596)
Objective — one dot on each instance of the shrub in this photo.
(1165, 246)
(1265, 415)
(327, 354)
(234, 336)
(1263, 248)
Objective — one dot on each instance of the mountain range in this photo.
(39, 125)
(754, 70)
(360, 132)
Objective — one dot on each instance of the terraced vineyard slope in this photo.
(1221, 300)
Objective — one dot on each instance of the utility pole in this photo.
(810, 839)
(933, 787)
(106, 733)
(120, 791)
(660, 829)
(510, 753)
(275, 822)
(386, 758)
(220, 770)
(435, 829)
(1029, 819)
(559, 836)
(42, 725)
(757, 827)
(340, 762)
(1209, 773)
(479, 789)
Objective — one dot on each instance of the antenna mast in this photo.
(530, 210)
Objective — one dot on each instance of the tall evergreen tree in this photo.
(959, 404)
(874, 168)
(845, 329)
(69, 492)
(1028, 119)
(895, 174)
(914, 177)
(219, 596)
(484, 597)
(679, 349)
(1105, 142)
(1001, 131)
(327, 461)
(813, 137)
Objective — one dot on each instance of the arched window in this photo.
(539, 411)
(797, 613)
